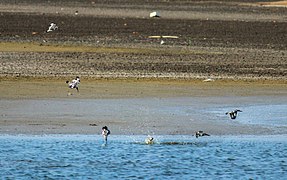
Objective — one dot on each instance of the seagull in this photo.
(74, 83)
(233, 114)
(52, 27)
(200, 134)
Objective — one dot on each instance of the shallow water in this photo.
(127, 157)
(263, 110)
(260, 112)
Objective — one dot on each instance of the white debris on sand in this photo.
(154, 14)
(208, 80)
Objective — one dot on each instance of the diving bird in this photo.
(52, 27)
(233, 114)
(149, 140)
(200, 134)
(74, 83)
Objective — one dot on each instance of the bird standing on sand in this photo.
(233, 114)
(105, 133)
(200, 134)
(52, 27)
(74, 84)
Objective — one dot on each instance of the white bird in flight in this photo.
(52, 27)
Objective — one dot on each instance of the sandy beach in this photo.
(131, 82)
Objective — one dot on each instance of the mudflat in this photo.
(42, 106)
(227, 39)
(239, 46)
(39, 88)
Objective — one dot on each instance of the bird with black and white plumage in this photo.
(74, 83)
(233, 114)
(105, 133)
(149, 140)
(52, 27)
(200, 134)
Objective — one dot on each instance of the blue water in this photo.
(127, 157)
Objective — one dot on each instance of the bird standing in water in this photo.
(200, 134)
(105, 133)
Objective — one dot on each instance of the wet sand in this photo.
(31, 88)
(134, 106)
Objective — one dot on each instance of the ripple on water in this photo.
(127, 157)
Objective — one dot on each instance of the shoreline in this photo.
(32, 106)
